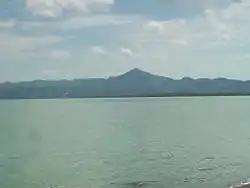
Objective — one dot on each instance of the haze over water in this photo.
(198, 142)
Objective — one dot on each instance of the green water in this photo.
(106, 143)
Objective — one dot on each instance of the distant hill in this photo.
(135, 83)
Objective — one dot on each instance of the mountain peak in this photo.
(133, 74)
(136, 72)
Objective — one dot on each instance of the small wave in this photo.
(77, 164)
(137, 183)
(241, 185)
(206, 169)
(235, 164)
(210, 158)
(57, 186)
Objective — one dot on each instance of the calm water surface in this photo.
(198, 142)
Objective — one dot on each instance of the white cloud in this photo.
(55, 8)
(214, 26)
(155, 26)
(164, 26)
(98, 50)
(60, 54)
(127, 51)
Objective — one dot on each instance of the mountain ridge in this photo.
(126, 73)
(134, 83)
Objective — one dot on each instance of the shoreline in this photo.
(136, 96)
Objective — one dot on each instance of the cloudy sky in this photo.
(58, 39)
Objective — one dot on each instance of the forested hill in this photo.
(135, 83)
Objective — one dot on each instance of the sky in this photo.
(66, 39)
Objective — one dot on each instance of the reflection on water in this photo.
(151, 143)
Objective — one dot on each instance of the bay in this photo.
(125, 142)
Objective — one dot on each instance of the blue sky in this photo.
(64, 39)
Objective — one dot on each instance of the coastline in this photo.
(170, 95)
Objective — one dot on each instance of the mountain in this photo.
(134, 83)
